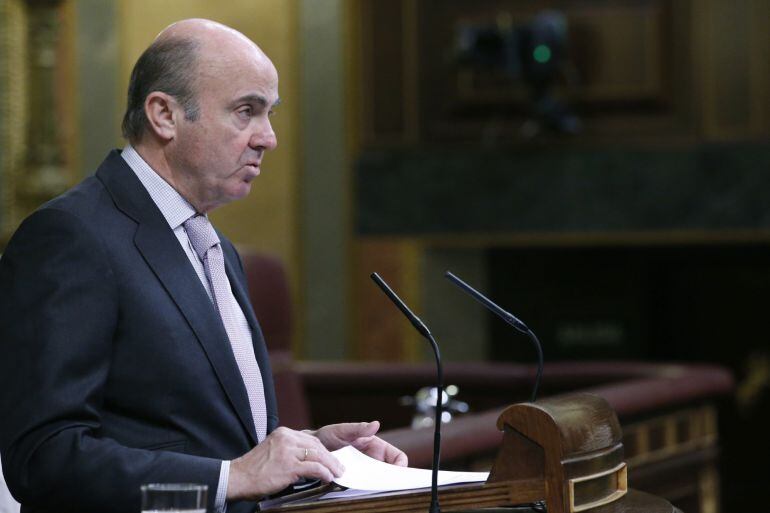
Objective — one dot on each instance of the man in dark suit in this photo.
(130, 352)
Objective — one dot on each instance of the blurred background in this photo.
(599, 167)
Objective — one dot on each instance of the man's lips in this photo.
(251, 171)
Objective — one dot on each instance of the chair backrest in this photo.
(271, 299)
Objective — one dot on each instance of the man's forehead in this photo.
(243, 74)
(234, 53)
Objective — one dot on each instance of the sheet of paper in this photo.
(365, 473)
(350, 492)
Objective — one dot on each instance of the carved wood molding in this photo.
(33, 90)
(13, 97)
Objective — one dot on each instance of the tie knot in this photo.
(201, 234)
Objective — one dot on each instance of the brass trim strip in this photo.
(622, 474)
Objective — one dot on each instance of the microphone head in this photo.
(507, 317)
(484, 300)
(416, 322)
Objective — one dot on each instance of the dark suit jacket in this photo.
(115, 368)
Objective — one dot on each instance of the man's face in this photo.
(216, 157)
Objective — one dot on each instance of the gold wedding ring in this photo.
(305, 456)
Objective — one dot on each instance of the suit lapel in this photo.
(162, 252)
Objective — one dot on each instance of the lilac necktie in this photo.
(206, 244)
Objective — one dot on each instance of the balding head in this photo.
(209, 34)
(180, 54)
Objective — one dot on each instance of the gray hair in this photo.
(167, 65)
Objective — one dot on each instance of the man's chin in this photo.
(243, 190)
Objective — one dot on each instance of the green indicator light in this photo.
(542, 54)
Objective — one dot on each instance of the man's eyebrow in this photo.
(258, 99)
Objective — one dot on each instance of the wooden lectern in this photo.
(565, 451)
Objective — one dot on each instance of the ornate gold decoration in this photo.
(32, 168)
(708, 489)
(13, 101)
(755, 382)
(46, 172)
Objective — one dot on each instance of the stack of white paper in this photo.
(364, 475)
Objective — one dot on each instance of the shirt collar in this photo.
(172, 205)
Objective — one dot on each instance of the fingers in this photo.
(322, 457)
(396, 456)
(379, 449)
(303, 439)
(350, 431)
(391, 454)
(280, 459)
(367, 428)
(315, 470)
(335, 436)
(361, 436)
(311, 450)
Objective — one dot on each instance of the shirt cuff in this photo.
(220, 504)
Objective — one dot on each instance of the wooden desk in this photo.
(633, 502)
(566, 451)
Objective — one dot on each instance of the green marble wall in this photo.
(540, 190)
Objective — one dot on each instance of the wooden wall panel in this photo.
(382, 331)
(759, 69)
(619, 52)
(619, 77)
(387, 56)
(640, 70)
(734, 69)
(388, 69)
(724, 37)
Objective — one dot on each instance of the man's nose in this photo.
(264, 137)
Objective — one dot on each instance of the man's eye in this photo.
(245, 112)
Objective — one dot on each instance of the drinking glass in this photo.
(174, 498)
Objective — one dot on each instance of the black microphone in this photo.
(425, 332)
(510, 319)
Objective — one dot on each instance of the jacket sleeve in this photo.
(58, 315)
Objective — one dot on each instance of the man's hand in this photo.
(360, 435)
(282, 458)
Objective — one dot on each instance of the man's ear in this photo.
(160, 110)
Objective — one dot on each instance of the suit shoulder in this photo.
(78, 214)
(83, 200)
